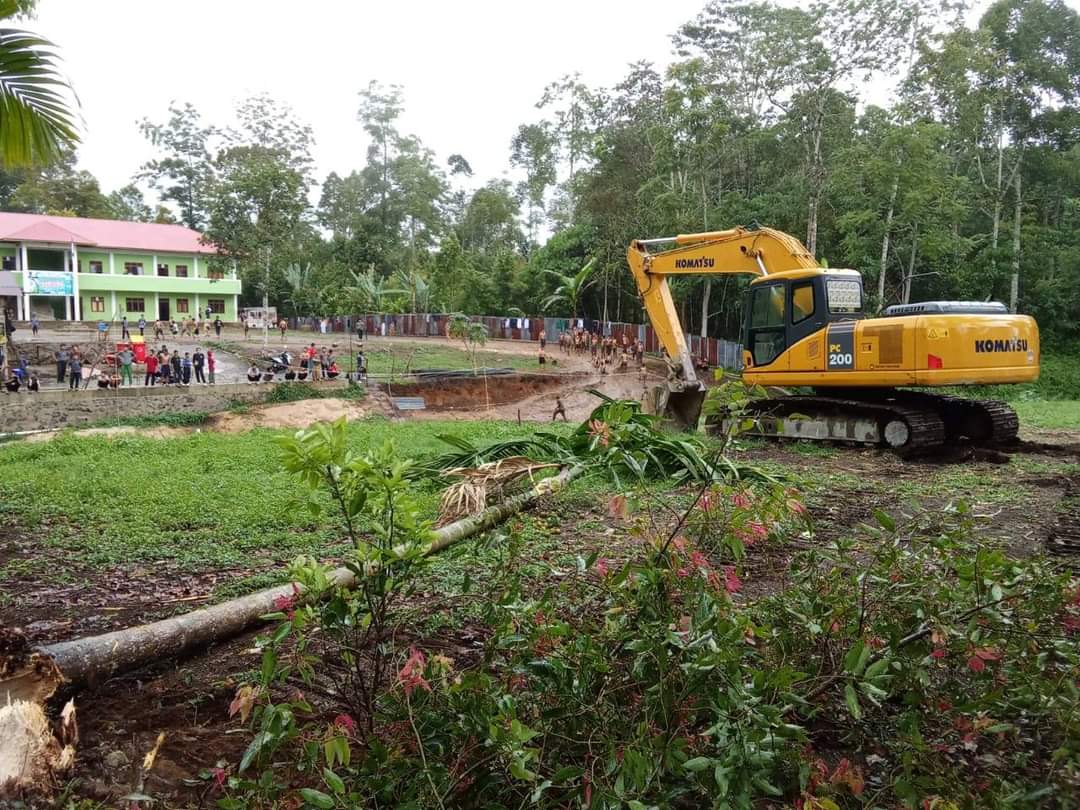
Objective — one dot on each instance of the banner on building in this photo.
(45, 282)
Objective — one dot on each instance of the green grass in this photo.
(1060, 414)
(394, 359)
(202, 501)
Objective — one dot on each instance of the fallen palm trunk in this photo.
(96, 657)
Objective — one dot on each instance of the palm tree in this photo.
(570, 287)
(36, 124)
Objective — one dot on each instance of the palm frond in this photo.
(36, 124)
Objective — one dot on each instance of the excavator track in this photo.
(909, 422)
(905, 428)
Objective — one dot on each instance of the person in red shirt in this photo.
(312, 362)
(151, 370)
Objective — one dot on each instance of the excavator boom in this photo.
(744, 251)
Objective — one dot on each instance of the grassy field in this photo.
(385, 358)
(203, 501)
(1048, 414)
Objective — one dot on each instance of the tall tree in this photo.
(534, 150)
(184, 174)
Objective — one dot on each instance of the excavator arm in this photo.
(757, 252)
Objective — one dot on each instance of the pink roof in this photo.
(105, 233)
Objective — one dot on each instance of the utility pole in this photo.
(266, 300)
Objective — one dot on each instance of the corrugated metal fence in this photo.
(720, 353)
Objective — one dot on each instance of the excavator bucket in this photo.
(678, 404)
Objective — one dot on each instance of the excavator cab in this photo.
(782, 310)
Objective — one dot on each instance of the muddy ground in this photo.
(1026, 499)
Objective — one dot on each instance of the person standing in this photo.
(247, 326)
(198, 361)
(61, 357)
(185, 368)
(164, 369)
(151, 370)
(159, 334)
(283, 326)
(211, 365)
(74, 367)
(142, 327)
(174, 362)
(543, 339)
(559, 409)
(313, 368)
(124, 334)
(217, 326)
(34, 324)
(209, 312)
(125, 358)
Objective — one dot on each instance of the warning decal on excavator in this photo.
(936, 334)
(841, 340)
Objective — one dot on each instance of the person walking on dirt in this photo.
(211, 364)
(61, 358)
(198, 361)
(559, 409)
(151, 371)
(217, 326)
(125, 358)
(283, 326)
(247, 326)
(35, 324)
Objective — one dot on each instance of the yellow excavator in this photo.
(805, 327)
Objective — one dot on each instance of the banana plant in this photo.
(570, 287)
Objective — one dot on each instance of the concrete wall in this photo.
(57, 409)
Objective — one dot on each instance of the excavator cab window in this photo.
(802, 301)
(767, 327)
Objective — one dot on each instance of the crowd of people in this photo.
(607, 352)
(313, 364)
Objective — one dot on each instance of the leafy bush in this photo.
(915, 660)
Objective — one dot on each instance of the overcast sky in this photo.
(472, 70)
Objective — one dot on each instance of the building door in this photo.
(163, 309)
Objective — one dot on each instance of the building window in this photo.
(133, 268)
(216, 305)
(215, 274)
(163, 269)
(97, 303)
(9, 263)
(135, 304)
(95, 267)
(181, 305)
(181, 271)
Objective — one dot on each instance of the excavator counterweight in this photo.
(805, 326)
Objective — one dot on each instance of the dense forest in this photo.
(936, 152)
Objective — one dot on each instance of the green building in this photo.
(73, 268)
